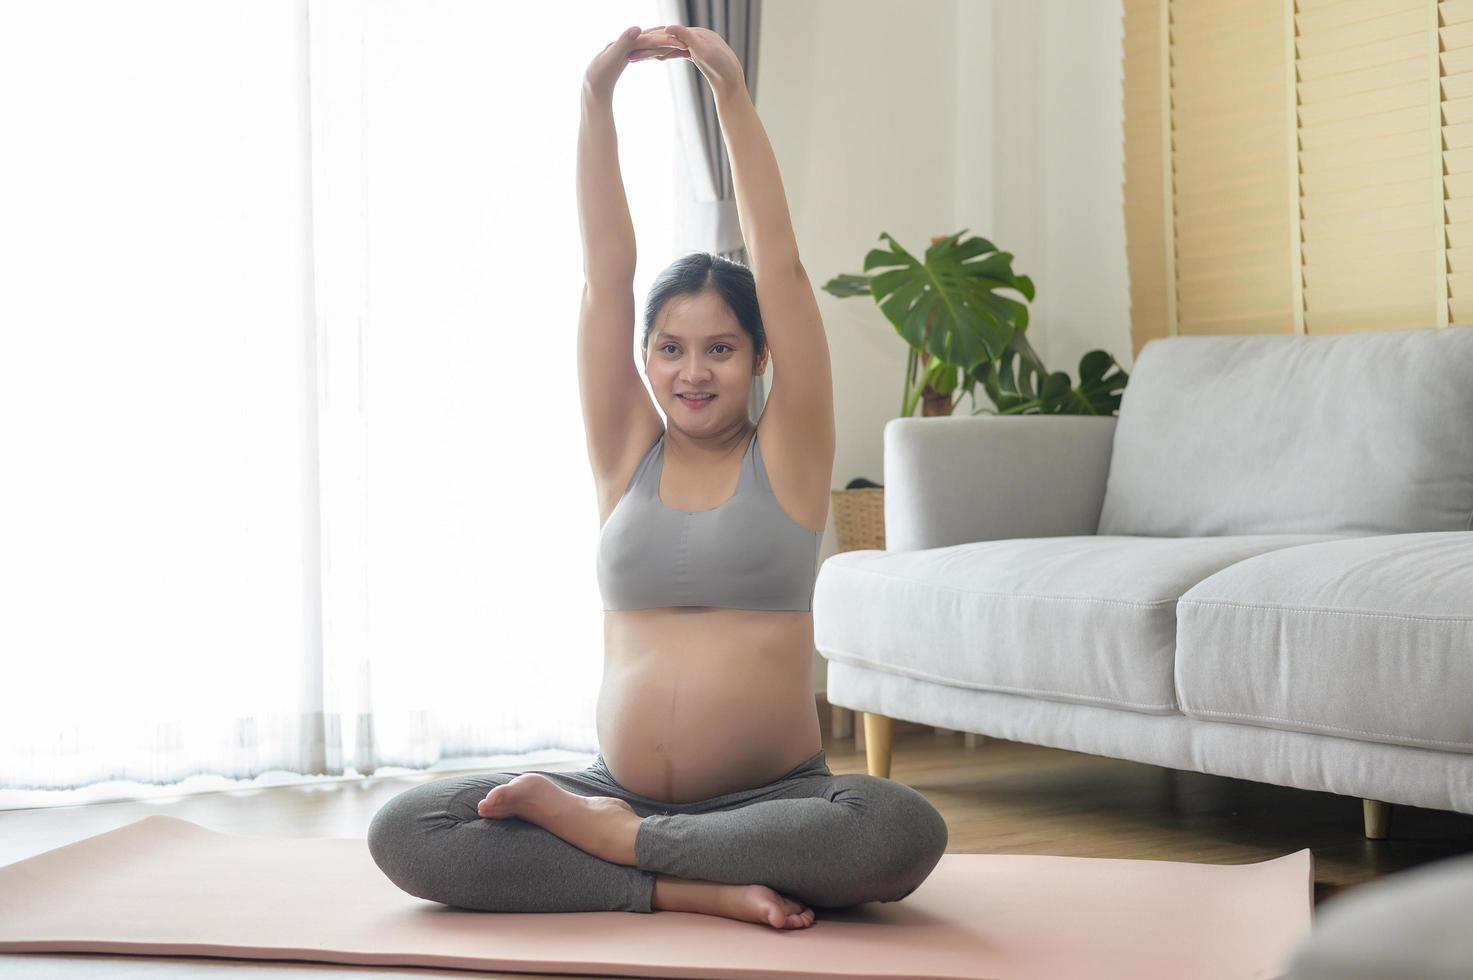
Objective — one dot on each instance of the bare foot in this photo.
(747, 903)
(604, 826)
(758, 903)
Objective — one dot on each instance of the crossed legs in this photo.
(824, 840)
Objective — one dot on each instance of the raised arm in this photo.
(603, 208)
(762, 207)
(618, 418)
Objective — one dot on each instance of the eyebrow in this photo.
(720, 336)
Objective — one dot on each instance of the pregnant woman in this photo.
(711, 792)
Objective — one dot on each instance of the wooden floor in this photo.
(998, 797)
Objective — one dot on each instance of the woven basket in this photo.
(859, 518)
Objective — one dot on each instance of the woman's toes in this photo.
(511, 798)
(796, 913)
(496, 803)
(804, 914)
(788, 914)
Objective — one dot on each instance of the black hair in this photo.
(698, 271)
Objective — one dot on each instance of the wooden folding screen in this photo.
(1298, 166)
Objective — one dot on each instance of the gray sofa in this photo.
(1261, 568)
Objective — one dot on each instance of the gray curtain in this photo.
(705, 211)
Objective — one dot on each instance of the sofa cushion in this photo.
(1367, 638)
(1079, 618)
(1360, 433)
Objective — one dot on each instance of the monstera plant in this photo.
(962, 333)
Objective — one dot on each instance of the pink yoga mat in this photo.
(163, 886)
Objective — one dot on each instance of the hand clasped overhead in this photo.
(705, 48)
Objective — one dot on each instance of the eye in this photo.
(667, 346)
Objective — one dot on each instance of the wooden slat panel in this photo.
(1366, 79)
(1312, 19)
(1370, 164)
(1374, 125)
(1346, 47)
(1456, 11)
(1363, 103)
(1369, 318)
(1273, 321)
(1198, 266)
(1235, 221)
(1456, 61)
(1197, 166)
(1458, 136)
(1422, 193)
(1145, 187)
(1308, 6)
(1459, 211)
(1456, 112)
(1371, 223)
(1460, 259)
(1376, 267)
(1390, 38)
(1196, 25)
(1380, 114)
(1356, 291)
(1204, 135)
(1232, 299)
(1456, 162)
(1458, 86)
(1215, 203)
(1224, 61)
(1216, 98)
(1456, 37)
(1332, 172)
(1459, 186)
(1335, 250)
(1232, 230)
(1460, 285)
(1412, 150)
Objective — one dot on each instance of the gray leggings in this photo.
(827, 841)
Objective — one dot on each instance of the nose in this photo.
(693, 374)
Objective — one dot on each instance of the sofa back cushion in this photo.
(1360, 433)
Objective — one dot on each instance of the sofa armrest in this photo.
(954, 479)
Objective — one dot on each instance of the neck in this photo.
(720, 444)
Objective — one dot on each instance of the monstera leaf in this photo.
(946, 306)
(951, 291)
(1019, 384)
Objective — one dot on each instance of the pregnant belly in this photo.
(681, 721)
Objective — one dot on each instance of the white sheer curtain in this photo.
(294, 476)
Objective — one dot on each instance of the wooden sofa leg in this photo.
(877, 744)
(1378, 819)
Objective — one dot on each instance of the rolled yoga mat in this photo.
(162, 886)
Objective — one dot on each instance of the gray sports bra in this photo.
(744, 553)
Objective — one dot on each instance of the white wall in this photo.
(1058, 166)
(921, 119)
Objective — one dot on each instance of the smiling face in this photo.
(699, 347)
